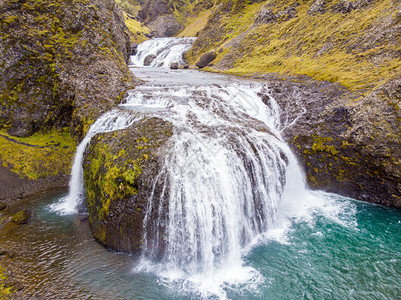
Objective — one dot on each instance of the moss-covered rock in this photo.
(62, 64)
(60, 61)
(119, 171)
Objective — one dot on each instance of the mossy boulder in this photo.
(206, 59)
(119, 170)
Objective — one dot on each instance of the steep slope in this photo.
(62, 64)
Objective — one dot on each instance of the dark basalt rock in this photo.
(149, 59)
(158, 16)
(134, 48)
(164, 26)
(206, 59)
(119, 172)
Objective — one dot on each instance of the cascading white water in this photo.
(110, 121)
(222, 179)
(166, 50)
(225, 177)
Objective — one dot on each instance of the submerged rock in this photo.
(119, 169)
(206, 59)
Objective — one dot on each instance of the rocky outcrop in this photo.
(346, 144)
(119, 171)
(346, 107)
(62, 63)
(159, 17)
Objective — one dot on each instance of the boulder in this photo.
(174, 66)
(318, 7)
(206, 58)
(119, 172)
(149, 59)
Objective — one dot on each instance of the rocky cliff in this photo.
(62, 64)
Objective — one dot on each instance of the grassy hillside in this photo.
(357, 45)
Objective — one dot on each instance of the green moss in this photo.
(5, 293)
(110, 177)
(137, 30)
(38, 156)
(333, 47)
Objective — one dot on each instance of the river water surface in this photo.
(346, 249)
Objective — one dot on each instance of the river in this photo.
(242, 224)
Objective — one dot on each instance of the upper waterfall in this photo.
(161, 52)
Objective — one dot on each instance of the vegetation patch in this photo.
(138, 31)
(5, 292)
(38, 156)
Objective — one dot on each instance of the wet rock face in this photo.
(55, 69)
(119, 172)
(347, 146)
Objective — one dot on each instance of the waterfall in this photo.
(110, 121)
(165, 51)
(225, 177)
